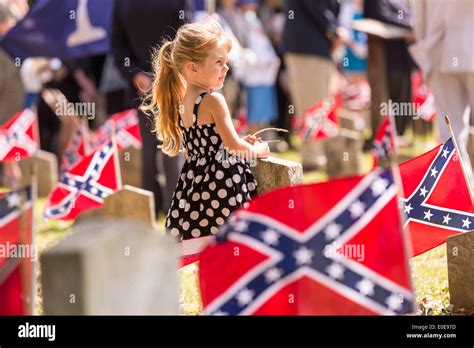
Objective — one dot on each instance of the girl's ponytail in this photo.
(164, 99)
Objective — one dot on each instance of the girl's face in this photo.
(211, 74)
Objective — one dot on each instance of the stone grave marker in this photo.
(47, 169)
(131, 166)
(130, 202)
(344, 154)
(273, 172)
(460, 254)
(111, 267)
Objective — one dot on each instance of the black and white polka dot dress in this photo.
(212, 183)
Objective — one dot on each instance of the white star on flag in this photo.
(407, 208)
(466, 223)
(332, 231)
(379, 186)
(428, 215)
(241, 226)
(366, 287)
(270, 237)
(244, 297)
(393, 302)
(303, 255)
(434, 172)
(446, 219)
(273, 274)
(336, 271)
(445, 153)
(423, 191)
(13, 200)
(357, 209)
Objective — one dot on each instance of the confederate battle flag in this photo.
(321, 120)
(383, 142)
(86, 184)
(19, 137)
(436, 197)
(127, 130)
(16, 252)
(334, 248)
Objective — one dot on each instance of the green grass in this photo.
(430, 280)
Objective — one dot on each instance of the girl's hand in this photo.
(262, 149)
(251, 139)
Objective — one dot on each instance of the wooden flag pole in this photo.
(397, 177)
(85, 127)
(393, 132)
(118, 170)
(466, 177)
(27, 241)
(34, 196)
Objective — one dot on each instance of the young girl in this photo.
(216, 178)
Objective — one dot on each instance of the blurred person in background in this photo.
(354, 62)
(399, 64)
(271, 13)
(233, 24)
(444, 51)
(138, 27)
(257, 69)
(311, 34)
(12, 94)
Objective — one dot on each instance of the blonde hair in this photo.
(193, 43)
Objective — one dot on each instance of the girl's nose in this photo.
(226, 68)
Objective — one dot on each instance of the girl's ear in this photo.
(191, 67)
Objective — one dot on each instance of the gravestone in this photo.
(131, 166)
(352, 120)
(130, 202)
(273, 172)
(313, 156)
(111, 267)
(460, 254)
(47, 171)
(344, 154)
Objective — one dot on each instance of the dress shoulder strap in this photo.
(197, 103)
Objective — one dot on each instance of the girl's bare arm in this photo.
(225, 127)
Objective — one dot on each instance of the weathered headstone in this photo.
(131, 166)
(129, 203)
(47, 169)
(111, 267)
(460, 253)
(352, 120)
(273, 172)
(344, 154)
(313, 155)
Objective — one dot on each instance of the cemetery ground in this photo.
(429, 270)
